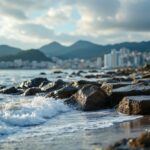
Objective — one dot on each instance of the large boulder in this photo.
(33, 83)
(32, 91)
(133, 105)
(91, 97)
(130, 90)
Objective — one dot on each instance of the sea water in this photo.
(37, 122)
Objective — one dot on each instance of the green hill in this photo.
(29, 55)
(6, 50)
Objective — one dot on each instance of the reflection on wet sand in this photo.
(138, 123)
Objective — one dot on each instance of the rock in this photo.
(78, 73)
(91, 97)
(107, 88)
(125, 71)
(146, 67)
(142, 142)
(32, 83)
(32, 91)
(90, 76)
(93, 71)
(71, 101)
(64, 92)
(57, 72)
(42, 73)
(134, 105)
(119, 84)
(130, 90)
(82, 83)
(52, 86)
(146, 76)
(120, 145)
(122, 79)
(10, 90)
(44, 83)
(2, 87)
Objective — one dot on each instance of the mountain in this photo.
(54, 49)
(6, 50)
(29, 55)
(85, 49)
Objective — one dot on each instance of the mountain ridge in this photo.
(86, 49)
(79, 49)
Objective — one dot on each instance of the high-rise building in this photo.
(107, 61)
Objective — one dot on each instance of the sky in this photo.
(32, 23)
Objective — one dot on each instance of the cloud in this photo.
(31, 23)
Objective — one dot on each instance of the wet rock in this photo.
(57, 72)
(2, 87)
(133, 105)
(64, 92)
(44, 83)
(126, 71)
(146, 76)
(10, 90)
(120, 84)
(91, 97)
(120, 145)
(146, 67)
(78, 73)
(32, 83)
(142, 142)
(93, 71)
(52, 86)
(107, 88)
(122, 79)
(112, 73)
(42, 73)
(82, 83)
(130, 90)
(90, 76)
(32, 91)
(71, 101)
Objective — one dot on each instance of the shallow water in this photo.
(44, 123)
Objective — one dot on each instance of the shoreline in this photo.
(126, 90)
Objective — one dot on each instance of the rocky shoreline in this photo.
(127, 90)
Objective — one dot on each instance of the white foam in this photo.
(31, 112)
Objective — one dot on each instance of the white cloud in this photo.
(31, 23)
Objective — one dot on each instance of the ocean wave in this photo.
(31, 112)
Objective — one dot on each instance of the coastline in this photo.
(86, 140)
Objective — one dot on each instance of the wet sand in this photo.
(85, 140)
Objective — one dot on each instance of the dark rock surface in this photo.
(52, 86)
(32, 83)
(91, 97)
(130, 90)
(64, 92)
(10, 90)
(32, 91)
